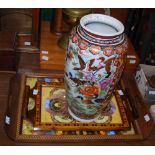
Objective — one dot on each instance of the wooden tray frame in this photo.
(14, 110)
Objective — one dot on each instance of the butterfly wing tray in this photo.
(41, 113)
(51, 110)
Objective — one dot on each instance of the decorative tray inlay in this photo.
(47, 108)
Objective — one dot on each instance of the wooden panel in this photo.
(132, 59)
(7, 40)
(35, 27)
(25, 42)
(21, 21)
(7, 63)
(17, 20)
(56, 55)
(120, 13)
(7, 53)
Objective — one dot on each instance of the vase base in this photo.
(79, 119)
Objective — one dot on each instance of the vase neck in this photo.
(101, 29)
(100, 40)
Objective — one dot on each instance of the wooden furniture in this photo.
(52, 57)
(19, 32)
(7, 52)
(132, 59)
(22, 21)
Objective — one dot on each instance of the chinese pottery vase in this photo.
(94, 63)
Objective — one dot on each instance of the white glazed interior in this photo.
(105, 19)
(101, 28)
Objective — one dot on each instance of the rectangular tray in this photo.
(56, 117)
(23, 117)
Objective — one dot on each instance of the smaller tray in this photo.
(51, 111)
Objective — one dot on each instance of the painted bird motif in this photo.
(88, 66)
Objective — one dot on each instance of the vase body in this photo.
(94, 63)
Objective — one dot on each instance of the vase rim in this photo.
(105, 19)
